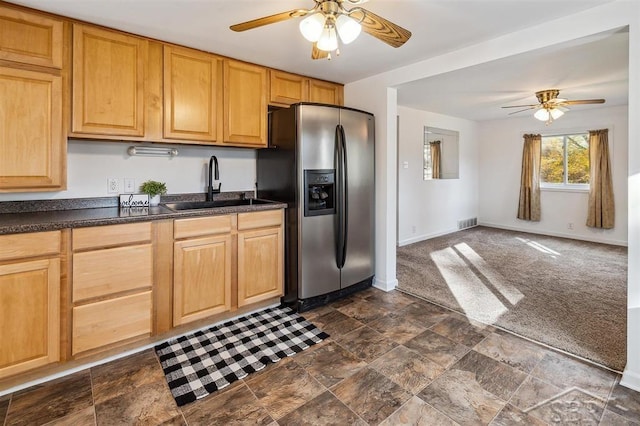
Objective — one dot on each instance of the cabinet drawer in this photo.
(17, 246)
(197, 226)
(111, 235)
(103, 272)
(259, 219)
(30, 39)
(111, 321)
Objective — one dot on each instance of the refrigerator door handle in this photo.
(338, 222)
(345, 197)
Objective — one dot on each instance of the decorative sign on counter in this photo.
(134, 205)
(133, 200)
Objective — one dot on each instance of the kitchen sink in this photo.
(195, 205)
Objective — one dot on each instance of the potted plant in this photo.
(154, 189)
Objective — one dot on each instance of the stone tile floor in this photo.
(391, 359)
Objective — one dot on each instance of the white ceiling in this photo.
(591, 68)
(438, 26)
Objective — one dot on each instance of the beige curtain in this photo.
(529, 205)
(436, 158)
(601, 207)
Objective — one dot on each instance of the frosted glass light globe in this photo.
(311, 27)
(348, 29)
(328, 40)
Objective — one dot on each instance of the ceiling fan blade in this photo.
(520, 106)
(266, 20)
(382, 29)
(317, 53)
(584, 101)
(522, 110)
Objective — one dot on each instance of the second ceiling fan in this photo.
(550, 106)
(329, 19)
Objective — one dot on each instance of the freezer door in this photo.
(359, 146)
(319, 273)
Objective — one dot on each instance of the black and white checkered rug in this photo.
(200, 363)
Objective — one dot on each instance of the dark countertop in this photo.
(48, 215)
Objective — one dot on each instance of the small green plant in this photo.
(153, 187)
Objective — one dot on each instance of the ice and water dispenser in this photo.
(319, 192)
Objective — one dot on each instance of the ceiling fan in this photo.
(329, 19)
(550, 106)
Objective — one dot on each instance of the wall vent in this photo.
(467, 223)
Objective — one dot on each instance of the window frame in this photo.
(565, 186)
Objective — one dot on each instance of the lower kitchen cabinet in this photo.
(260, 256)
(29, 302)
(112, 281)
(202, 278)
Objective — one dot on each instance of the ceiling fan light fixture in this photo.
(548, 114)
(348, 28)
(542, 114)
(556, 113)
(312, 26)
(328, 40)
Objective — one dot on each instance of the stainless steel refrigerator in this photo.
(320, 161)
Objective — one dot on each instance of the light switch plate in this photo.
(129, 185)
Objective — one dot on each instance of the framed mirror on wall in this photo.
(440, 154)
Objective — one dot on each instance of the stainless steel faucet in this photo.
(213, 168)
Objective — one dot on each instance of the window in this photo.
(565, 161)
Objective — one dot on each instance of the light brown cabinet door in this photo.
(30, 39)
(29, 315)
(245, 104)
(287, 89)
(108, 82)
(201, 278)
(32, 146)
(192, 97)
(326, 93)
(260, 265)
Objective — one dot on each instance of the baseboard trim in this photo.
(426, 237)
(631, 380)
(554, 234)
(385, 285)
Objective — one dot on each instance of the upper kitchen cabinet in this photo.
(192, 94)
(325, 92)
(31, 137)
(286, 89)
(108, 82)
(245, 104)
(28, 38)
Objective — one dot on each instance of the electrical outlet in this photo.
(570, 225)
(413, 229)
(129, 185)
(113, 186)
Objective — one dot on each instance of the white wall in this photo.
(427, 208)
(90, 163)
(500, 165)
(373, 94)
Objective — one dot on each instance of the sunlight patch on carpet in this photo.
(473, 296)
(539, 247)
(508, 291)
